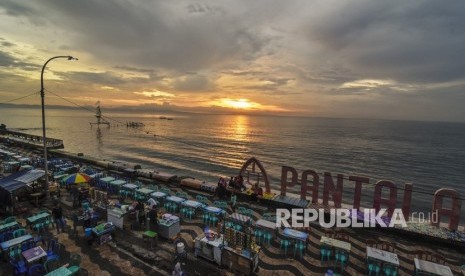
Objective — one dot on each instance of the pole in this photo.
(44, 137)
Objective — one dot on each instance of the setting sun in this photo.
(241, 103)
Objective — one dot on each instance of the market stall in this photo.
(116, 215)
(209, 246)
(241, 253)
(169, 226)
(102, 233)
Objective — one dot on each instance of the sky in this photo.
(391, 59)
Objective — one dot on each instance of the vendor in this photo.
(257, 193)
(88, 217)
(153, 216)
(239, 183)
(140, 210)
(152, 203)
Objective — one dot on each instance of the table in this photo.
(117, 182)
(9, 226)
(146, 192)
(383, 256)
(13, 242)
(430, 267)
(214, 210)
(294, 234)
(336, 243)
(37, 218)
(266, 224)
(158, 195)
(107, 179)
(239, 218)
(175, 199)
(61, 271)
(34, 254)
(130, 186)
(192, 204)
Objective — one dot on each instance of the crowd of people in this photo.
(237, 184)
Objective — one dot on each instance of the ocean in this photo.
(430, 155)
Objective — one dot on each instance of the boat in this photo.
(100, 119)
(134, 124)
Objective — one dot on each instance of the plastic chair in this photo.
(285, 244)
(19, 233)
(206, 219)
(242, 210)
(213, 220)
(374, 266)
(74, 263)
(52, 263)
(258, 235)
(36, 270)
(15, 252)
(267, 237)
(38, 227)
(8, 236)
(19, 267)
(389, 270)
(299, 246)
(341, 257)
(9, 220)
(190, 213)
(325, 252)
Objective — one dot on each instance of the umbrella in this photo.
(77, 178)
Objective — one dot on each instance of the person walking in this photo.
(57, 213)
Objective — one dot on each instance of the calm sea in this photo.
(428, 154)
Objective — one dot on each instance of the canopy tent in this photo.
(14, 182)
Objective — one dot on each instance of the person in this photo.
(231, 182)
(153, 216)
(141, 212)
(257, 192)
(240, 183)
(152, 202)
(88, 216)
(233, 201)
(177, 270)
(75, 194)
(221, 189)
(57, 213)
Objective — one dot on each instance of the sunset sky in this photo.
(392, 59)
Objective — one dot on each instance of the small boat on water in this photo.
(134, 124)
(165, 118)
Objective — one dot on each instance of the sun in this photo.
(238, 104)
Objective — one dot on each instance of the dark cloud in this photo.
(6, 60)
(418, 41)
(192, 83)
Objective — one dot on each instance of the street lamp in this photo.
(44, 137)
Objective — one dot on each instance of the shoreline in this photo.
(291, 200)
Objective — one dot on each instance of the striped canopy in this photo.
(77, 178)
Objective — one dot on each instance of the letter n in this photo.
(329, 188)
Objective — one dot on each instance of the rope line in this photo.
(20, 98)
